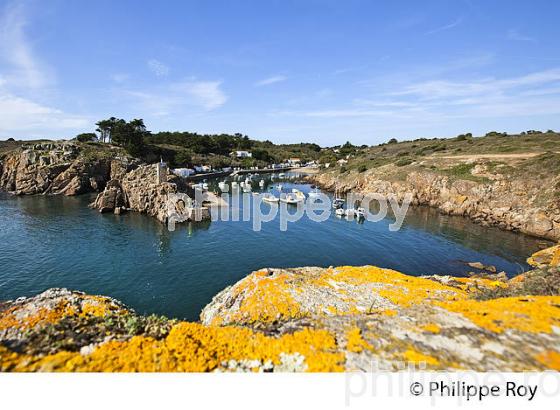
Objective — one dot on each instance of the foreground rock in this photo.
(304, 319)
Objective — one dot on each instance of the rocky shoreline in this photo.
(124, 183)
(529, 206)
(303, 319)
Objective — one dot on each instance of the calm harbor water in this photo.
(59, 242)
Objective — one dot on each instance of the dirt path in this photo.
(522, 155)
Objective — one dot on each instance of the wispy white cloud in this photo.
(206, 93)
(438, 101)
(119, 77)
(17, 60)
(271, 80)
(176, 98)
(20, 117)
(515, 35)
(448, 26)
(158, 68)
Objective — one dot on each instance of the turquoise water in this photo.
(59, 242)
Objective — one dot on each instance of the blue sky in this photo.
(288, 71)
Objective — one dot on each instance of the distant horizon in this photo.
(323, 72)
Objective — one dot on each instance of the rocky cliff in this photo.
(140, 190)
(527, 202)
(65, 168)
(304, 319)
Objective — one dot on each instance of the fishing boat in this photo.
(292, 198)
(261, 183)
(338, 202)
(300, 195)
(339, 212)
(222, 185)
(282, 175)
(205, 186)
(280, 187)
(247, 188)
(270, 198)
(360, 213)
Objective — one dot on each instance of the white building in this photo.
(183, 172)
(243, 154)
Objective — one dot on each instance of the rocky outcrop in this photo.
(302, 319)
(506, 202)
(140, 191)
(57, 168)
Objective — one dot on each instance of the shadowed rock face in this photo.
(303, 319)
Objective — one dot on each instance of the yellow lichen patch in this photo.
(20, 319)
(431, 328)
(355, 342)
(473, 284)
(189, 347)
(265, 299)
(550, 359)
(417, 358)
(402, 290)
(535, 314)
(98, 306)
(546, 257)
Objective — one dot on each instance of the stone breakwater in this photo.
(526, 205)
(304, 319)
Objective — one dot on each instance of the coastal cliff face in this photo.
(303, 319)
(527, 202)
(60, 168)
(140, 191)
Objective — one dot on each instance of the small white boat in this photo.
(234, 183)
(205, 186)
(280, 187)
(338, 203)
(291, 198)
(270, 198)
(282, 175)
(261, 183)
(339, 212)
(300, 195)
(222, 185)
(360, 213)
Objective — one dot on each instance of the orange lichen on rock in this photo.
(550, 359)
(189, 347)
(546, 257)
(264, 298)
(431, 328)
(17, 318)
(355, 342)
(413, 356)
(22, 317)
(535, 314)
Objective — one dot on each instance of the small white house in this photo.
(243, 154)
(183, 172)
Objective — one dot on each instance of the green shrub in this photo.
(404, 161)
(362, 168)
